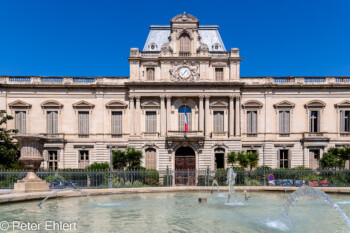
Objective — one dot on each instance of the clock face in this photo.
(185, 72)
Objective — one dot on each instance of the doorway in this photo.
(185, 166)
(219, 158)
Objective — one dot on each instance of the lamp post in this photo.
(263, 145)
(110, 166)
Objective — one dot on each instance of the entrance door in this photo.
(185, 166)
(314, 156)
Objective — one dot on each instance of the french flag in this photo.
(186, 121)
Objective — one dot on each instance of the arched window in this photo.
(151, 158)
(185, 43)
(182, 111)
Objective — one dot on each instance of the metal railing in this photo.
(168, 177)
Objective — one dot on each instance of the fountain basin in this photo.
(181, 212)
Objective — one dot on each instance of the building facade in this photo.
(183, 69)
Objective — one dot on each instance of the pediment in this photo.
(116, 104)
(150, 104)
(252, 104)
(284, 104)
(219, 104)
(19, 104)
(51, 104)
(343, 104)
(83, 104)
(315, 104)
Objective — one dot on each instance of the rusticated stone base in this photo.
(26, 187)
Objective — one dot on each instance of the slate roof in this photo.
(159, 34)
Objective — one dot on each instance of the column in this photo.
(162, 116)
(131, 115)
(207, 122)
(238, 116)
(200, 113)
(138, 116)
(168, 112)
(231, 116)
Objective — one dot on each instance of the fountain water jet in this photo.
(212, 186)
(308, 191)
(231, 180)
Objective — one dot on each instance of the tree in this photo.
(133, 158)
(9, 152)
(130, 159)
(119, 159)
(243, 159)
(231, 158)
(253, 158)
(334, 158)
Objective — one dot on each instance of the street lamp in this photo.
(110, 166)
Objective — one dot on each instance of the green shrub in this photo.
(98, 166)
(152, 177)
(221, 176)
(251, 182)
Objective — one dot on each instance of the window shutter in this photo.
(151, 122)
(347, 121)
(49, 122)
(249, 122)
(278, 158)
(289, 158)
(21, 121)
(116, 123)
(151, 160)
(318, 121)
(181, 121)
(254, 122)
(281, 130)
(55, 122)
(83, 122)
(342, 121)
(287, 121)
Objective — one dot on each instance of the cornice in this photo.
(192, 84)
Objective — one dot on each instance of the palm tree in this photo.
(231, 158)
(253, 158)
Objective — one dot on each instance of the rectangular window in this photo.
(52, 122)
(83, 124)
(182, 121)
(218, 121)
(53, 160)
(150, 74)
(252, 122)
(314, 122)
(21, 123)
(284, 159)
(345, 121)
(151, 122)
(117, 124)
(84, 159)
(284, 122)
(219, 74)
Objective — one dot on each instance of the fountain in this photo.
(75, 188)
(308, 191)
(31, 147)
(231, 180)
(212, 186)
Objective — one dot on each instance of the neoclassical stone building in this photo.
(289, 121)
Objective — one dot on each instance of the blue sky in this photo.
(93, 38)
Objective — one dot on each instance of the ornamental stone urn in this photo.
(31, 147)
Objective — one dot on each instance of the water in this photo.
(75, 188)
(181, 212)
(310, 192)
(217, 185)
(231, 180)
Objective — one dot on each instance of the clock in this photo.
(184, 72)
